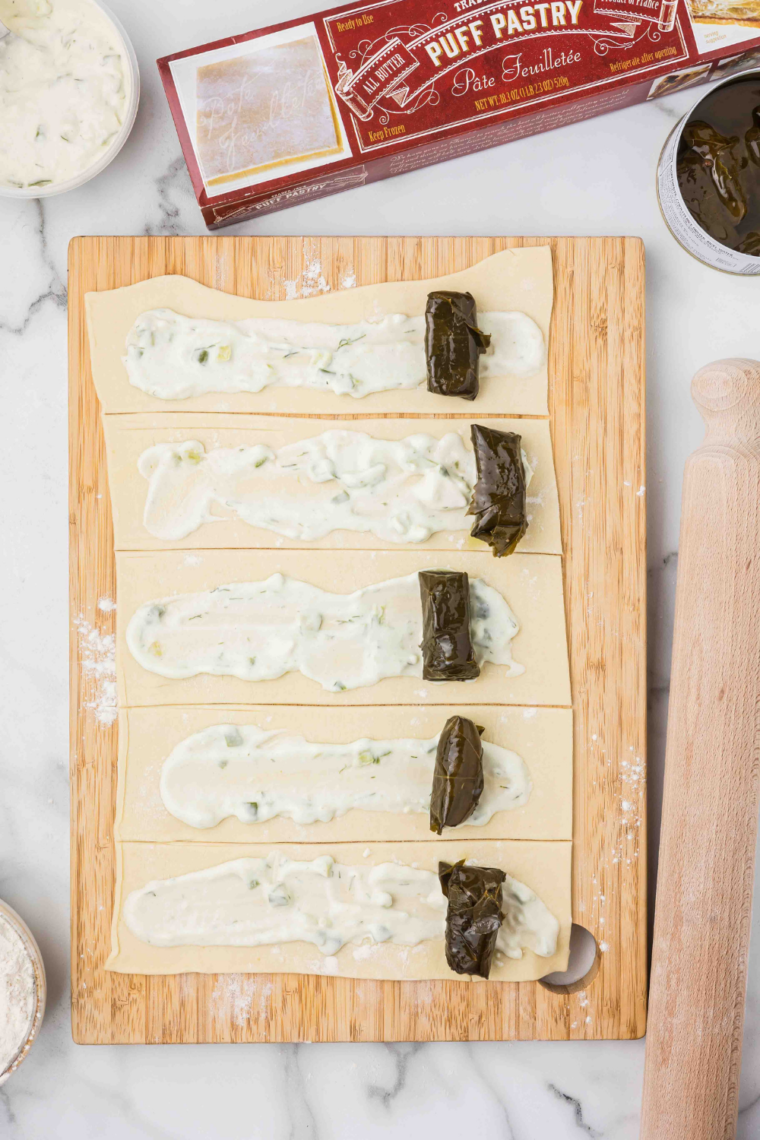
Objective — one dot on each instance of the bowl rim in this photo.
(16, 922)
(27, 193)
(676, 131)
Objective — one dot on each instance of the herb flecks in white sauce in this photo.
(63, 90)
(261, 630)
(276, 900)
(174, 357)
(243, 771)
(399, 490)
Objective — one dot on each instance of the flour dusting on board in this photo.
(239, 995)
(97, 657)
(309, 281)
(631, 797)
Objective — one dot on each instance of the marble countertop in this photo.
(595, 177)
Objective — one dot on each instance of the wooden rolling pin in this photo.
(712, 776)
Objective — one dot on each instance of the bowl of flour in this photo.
(22, 990)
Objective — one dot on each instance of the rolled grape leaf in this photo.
(719, 153)
(473, 917)
(749, 244)
(453, 344)
(498, 501)
(752, 137)
(458, 774)
(698, 192)
(447, 652)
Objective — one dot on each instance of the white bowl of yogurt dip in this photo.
(69, 89)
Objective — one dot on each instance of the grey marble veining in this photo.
(591, 178)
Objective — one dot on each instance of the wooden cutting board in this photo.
(597, 410)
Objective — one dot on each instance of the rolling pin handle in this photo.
(727, 393)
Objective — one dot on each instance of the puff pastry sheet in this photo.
(515, 279)
(531, 584)
(127, 437)
(544, 867)
(542, 737)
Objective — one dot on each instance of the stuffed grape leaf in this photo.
(499, 498)
(473, 916)
(453, 344)
(447, 652)
(458, 774)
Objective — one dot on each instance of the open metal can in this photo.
(678, 217)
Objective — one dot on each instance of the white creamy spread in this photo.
(261, 630)
(399, 490)
(175, 357)
(64, 83)
(244, 771)
(18, 994)
(260, 902)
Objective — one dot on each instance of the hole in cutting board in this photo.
(582, 968)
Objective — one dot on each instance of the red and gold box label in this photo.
(410, 80)
(310, 107)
